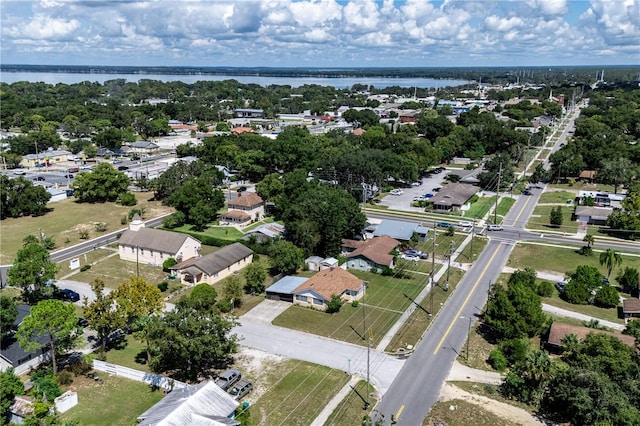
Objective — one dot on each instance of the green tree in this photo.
(607, 297)
(629, 280)
(334, 304)
(104, 183)
(610, 259)
(203, 295)
(232, 291)
(254, 276)
(627, 218)
(189, 342)
(556, 217)
(633, 329)
(540, 174)
(10, 387)
(590, 239)
(136, 298)
(8, 314)
(52, 319)
(103, 314)
(31, 270)
(285, 257)
(141, 331)
(19, 197)
(270, 187)
(198, 201)
(576, 292)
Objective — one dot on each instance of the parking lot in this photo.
(427, 184)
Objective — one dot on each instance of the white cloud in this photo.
(42, 27)
(496, 23)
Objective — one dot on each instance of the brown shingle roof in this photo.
(236, 215)
(377, 250)
(454, 194)
(250, 200)
(559, 330)
(353, 244)
(153, 239)
(587, 174)
(221, 259)
(631, 306)
(331, 281)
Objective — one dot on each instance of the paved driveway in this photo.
(266, 311)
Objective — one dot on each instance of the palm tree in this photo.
(610, 259)
(590, 239)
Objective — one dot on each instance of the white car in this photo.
(410, 257)
(465, 224)
(495, 228)
(396, 192)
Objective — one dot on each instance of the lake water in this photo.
(338, 82)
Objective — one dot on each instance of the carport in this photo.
(283, 289)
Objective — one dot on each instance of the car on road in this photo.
(493, 227)
(228, 378)
(526, 192)
(70, 295)
(240, 389)
(465, 224)
(73, 170)
(396, 192)
(241, 189)
(39, 178)
(69, 176)
(123, 168)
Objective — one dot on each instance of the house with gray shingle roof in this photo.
(11, 353)
(215, 266)
(154, 246)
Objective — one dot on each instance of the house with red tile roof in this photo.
(316, 292)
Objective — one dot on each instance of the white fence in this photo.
(139, 376)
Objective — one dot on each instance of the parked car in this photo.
(409, 257)
(396, 192)
(39, 178)
(427, 196)
(68, 294)
(82, 322)
(416, 183)
(123, 168)
(69, 176)
(495, 227)
(228, 378)
(240, 389)
(560, 286)
(465, 224)
(73, 170)
(241, 189)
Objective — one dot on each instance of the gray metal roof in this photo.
(286, 285)
(397, 229)
(221, 259)
(202, 404)
(154, 239)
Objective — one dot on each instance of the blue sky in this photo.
(320, 33)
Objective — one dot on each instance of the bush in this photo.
(545, 289)
(224, 306)
(83, 234)
(355, 303)
(473, 199)
(450, 231)
(585, 251)
(174, 220)
(163, 286)
(387, 272)
(515, 350)
(124, 220)
(127, 199)
(101, 227)
(167, 264)
(607, 297)
(85, 268)
(65, 377)
(334, 304)
(497, 360)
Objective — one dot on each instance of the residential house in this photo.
(283, 289)
(558, 331)
(317, 291)
(370, 255)
(216, 266)
(244, 210)
(104, 152)
(12, 354)
(204, 404)
(453, 196)
(592, 215)
(398, 229)
(154, 246)
(50, 157)
(587, 176)
(631, 308)
(141, 147)
(265, 232)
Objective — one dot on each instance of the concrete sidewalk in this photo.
(462, 373)
(335, 402)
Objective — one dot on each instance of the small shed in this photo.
(313, 263)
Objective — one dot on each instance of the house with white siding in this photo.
(216, 266)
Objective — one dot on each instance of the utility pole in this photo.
(137, 262)
(433, 268)
(449, 265)
(468, 338)
(495, 212)
(364, 326)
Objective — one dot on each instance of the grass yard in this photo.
(478, 245)
(385, 302)
(129, 353)
(220, 232)
(67, 218)
(540, 220)
(610, 314)
(578, 186)
(560, 260)
(480, 207)
(114, 271)
(550, 197)
(350, 411)
(297, 395)
(463, 414)
(479, 350)
(505, 205)
(411, 332)
(117, 401)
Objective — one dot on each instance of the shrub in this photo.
(355, 303)
(163, 286)
(224, 306)
(127, 199)
(387, 272)
(85, 268)
(545, 289)
(576, 293)
(124, 220)
(515, 350)
(450, 231)
(167, 264)
(101, 227)
(65, 377)
(497, 360)
(473, 199)
(607, 297)
(585, 251)
(334, 304)
(84, 234)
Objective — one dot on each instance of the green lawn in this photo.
(540, 220)
(480, 207)
(559, 259)
(129, 353)
(610, 314)
(350, 411)
(505, 205)
(298, 396)
(385, 301)
(220, 232)
(114, 271)
(549, 197)
(117, 401)
(67, 218)
(478, 245)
